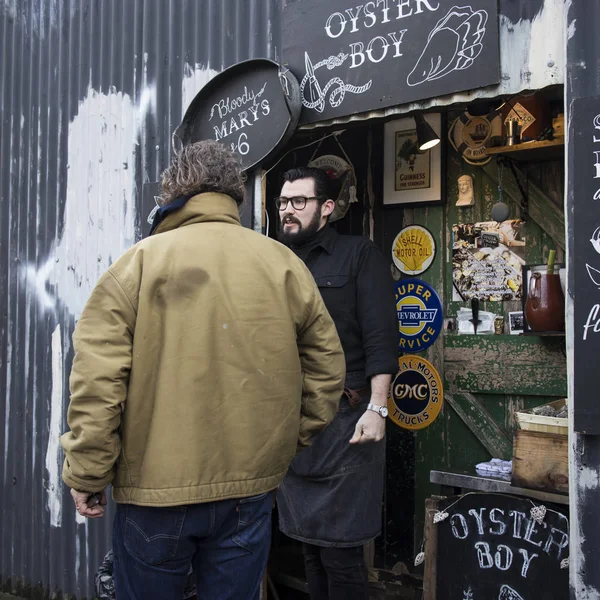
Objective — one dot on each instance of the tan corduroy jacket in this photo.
(203, 359)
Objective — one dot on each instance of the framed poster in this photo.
(516, 322)
(410, 176)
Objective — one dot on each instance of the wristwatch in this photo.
(382, 411)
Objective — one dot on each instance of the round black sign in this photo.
(253, 107)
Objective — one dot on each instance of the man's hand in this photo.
(92, 512)
(370, 428)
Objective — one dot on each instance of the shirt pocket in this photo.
(338, 295)
(325, 282)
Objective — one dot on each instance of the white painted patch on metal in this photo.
(99, 215)
(78, 518)
(54, 452)
(589, 479)
(528, 52)
(571, 26)
(37, 279)
(194, 79)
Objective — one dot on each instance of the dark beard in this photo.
(303, 235)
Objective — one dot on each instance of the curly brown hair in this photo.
(205, 166)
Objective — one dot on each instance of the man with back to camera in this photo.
(204, 359)
(331, 497)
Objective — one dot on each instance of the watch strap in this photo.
(378, 409)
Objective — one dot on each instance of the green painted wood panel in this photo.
(487, 378)
(528, 365)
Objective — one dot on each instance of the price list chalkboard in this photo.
(584, 248)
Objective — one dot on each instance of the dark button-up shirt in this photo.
(356, 284)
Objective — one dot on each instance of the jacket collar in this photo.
(202, 208)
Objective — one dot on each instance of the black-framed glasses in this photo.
(298, 202)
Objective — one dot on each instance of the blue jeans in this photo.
(227, 543)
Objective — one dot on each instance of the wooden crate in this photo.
(531, 422)
(541, 461)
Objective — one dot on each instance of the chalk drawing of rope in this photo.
(338, 95)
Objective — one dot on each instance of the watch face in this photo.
(384, 411)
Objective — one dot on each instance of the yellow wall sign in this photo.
(413, 250)
(416, 395)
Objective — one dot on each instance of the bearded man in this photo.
(330, 499)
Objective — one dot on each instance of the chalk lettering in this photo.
(561, 544)
(461, 535)
(342, 25)
(531, 529)
(401, 5)
(397, 41)
(357, 49)
(486, 560)
(426, 3)
(225, 106)
(526, 561)
(243, 146)
(384, 49)
(518, 518)
(254, 112)
(597, 165)
(221, 132)
(370, 14)
(385, 10)
(354, 17)
(503, 565)
(502, 525)
(593, 321)
(478, 516)
(243, 117)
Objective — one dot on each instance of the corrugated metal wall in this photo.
(90, 92)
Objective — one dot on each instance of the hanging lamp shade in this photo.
(426, 137)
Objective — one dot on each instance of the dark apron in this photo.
(332, 493)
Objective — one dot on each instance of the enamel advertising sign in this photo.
(420, 315)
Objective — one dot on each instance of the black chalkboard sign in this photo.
(584, 135)
(352, 58)
(490, 548)
(253, 107)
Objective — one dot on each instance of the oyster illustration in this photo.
(594, 274)
(596, 240)
(507, 593)
(453, 45)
